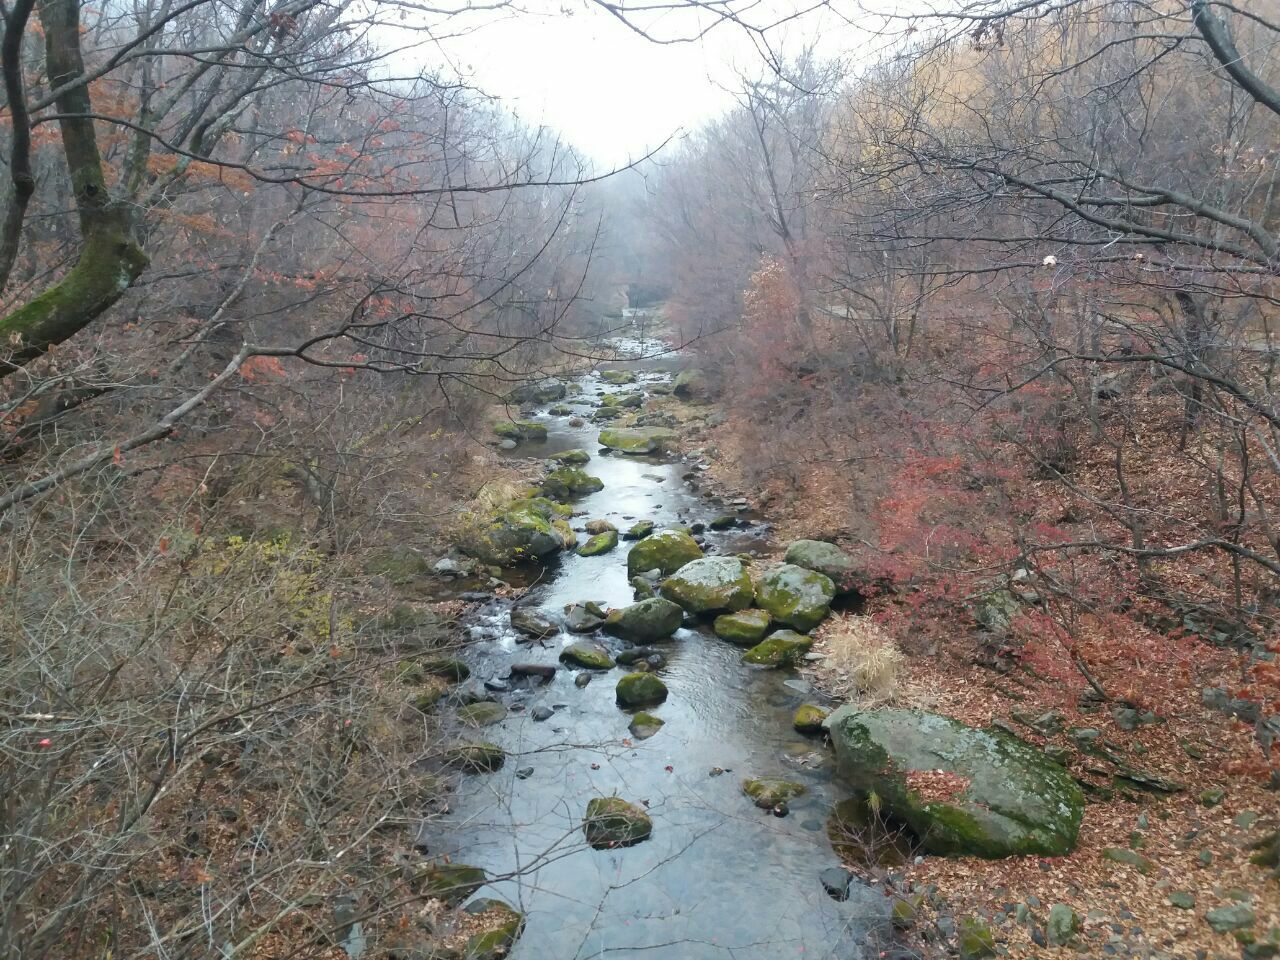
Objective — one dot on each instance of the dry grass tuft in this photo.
(862, 660)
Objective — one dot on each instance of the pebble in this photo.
(540, 713)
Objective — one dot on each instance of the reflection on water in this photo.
(719, 878)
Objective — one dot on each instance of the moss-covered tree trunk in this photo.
(110, 258)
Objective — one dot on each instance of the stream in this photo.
(719, 878)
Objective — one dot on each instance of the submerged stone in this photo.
(809, 718)
(644, 725)
(768, 792)
(1005, 798)
(710, 584)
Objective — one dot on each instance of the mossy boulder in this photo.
(996, 609)
(639, 530)
(447, 668)
(481, 757)
(782, 649)
(608, 412)
(809, 718)
(600, 526)
(745, 628)
(794, 596)
(589, 656)
(613, 822)
(638, 690)
(600, 543)
(974, 939)
(451, 882)
(503, 926)
(690, 384)
(710, 584)
(532, 622)
(1008, 799)
(548, 390)
(666, 550)
(525, 530)
(826, 559)
(768, 792)
(483, 714)
(618, 377)
(573, 458)
(520, 430)
(651, 619)
(644, 725)
(638, 440)
(569, 481)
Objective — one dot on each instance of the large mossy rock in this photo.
(600, 543)
(794, 596)
(782, 649)
(690, 384)
(710, 585)
(653, 619)
(638, 690)
(638, 440)
(768, 792)
(569, 481)
(451, 882)
(1007, 798)
(589, 656)
(666, 550)
(525, 530)
(613, 822)
(503, 926)
(617, 377)
(574, 458)
(644, 725)
(745, 628)
(483, 714)
(826, 559)
(481, 757)
(543, 391)
(639, 530)
(520, 430)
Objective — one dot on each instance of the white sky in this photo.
(613, 94)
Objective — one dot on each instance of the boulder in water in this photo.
(809, 718)
(533, 623)
(567, 481)
(666, 551)
(525, 530)
(573, 458)
(482, 757)
(520, 430)
(652, 619)
(768, 792)
(618, 377)
(963, 791)
(600, 543)
(710, 585)
(638, 440)
(613, 822)
(644, 725)
(543, 391)
(483, 714)
(589, 656)
(745, 628)
(639, 530)
(794, 596)
(637, 690)
(599, 526)
(781, 649)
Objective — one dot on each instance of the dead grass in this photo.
(861, 661)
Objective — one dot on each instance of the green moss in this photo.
(600, 543)
(809, 718)
(794, 596)
(710, 584)
(569, 481)
(496, 942)
(520, 430)
(644, 725)
(651, 619)
(482, 714)
(589, 656)
(451, 882)
(768, 792)
(667, 550)
(638, 440)
(745, 628)
(782, 649)
(640, 690)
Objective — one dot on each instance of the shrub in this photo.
(863, 660)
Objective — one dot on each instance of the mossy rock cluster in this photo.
(570, 481)
(613, 822)
(638, 690)
(1008, 798)
(795, 597)
(782, 649)
(638, 440)
(710, 585)
(666, 551)
(525, 530)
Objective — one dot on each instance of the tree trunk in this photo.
(110, 258)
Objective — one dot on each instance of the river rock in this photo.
(690, 384)
(580, 619)
(483, 714)
(782, 649)
(567, 481)
(608, 412)
(600, 543)
(613, 822)
(481, 757)
(642, 589)
(520, 430)
(573, 458)
(548, 390)
(525, 530)
(533, 623)
(768, 792)
(644, 725)
(450, 882)
(637, 440)
(447, 668)
(639, 530)
(600, 526)
(546, 672)
(826, 559)
(809, 718)
(617, 377)
(636, 690)
(652, 619)
(794, 596)
(710, 585)
(745, 628)
(1009, 800)
(589, 656)
(499, 937)
(666, 551)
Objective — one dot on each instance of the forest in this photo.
(849, 528)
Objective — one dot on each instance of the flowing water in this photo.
(719, 878)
